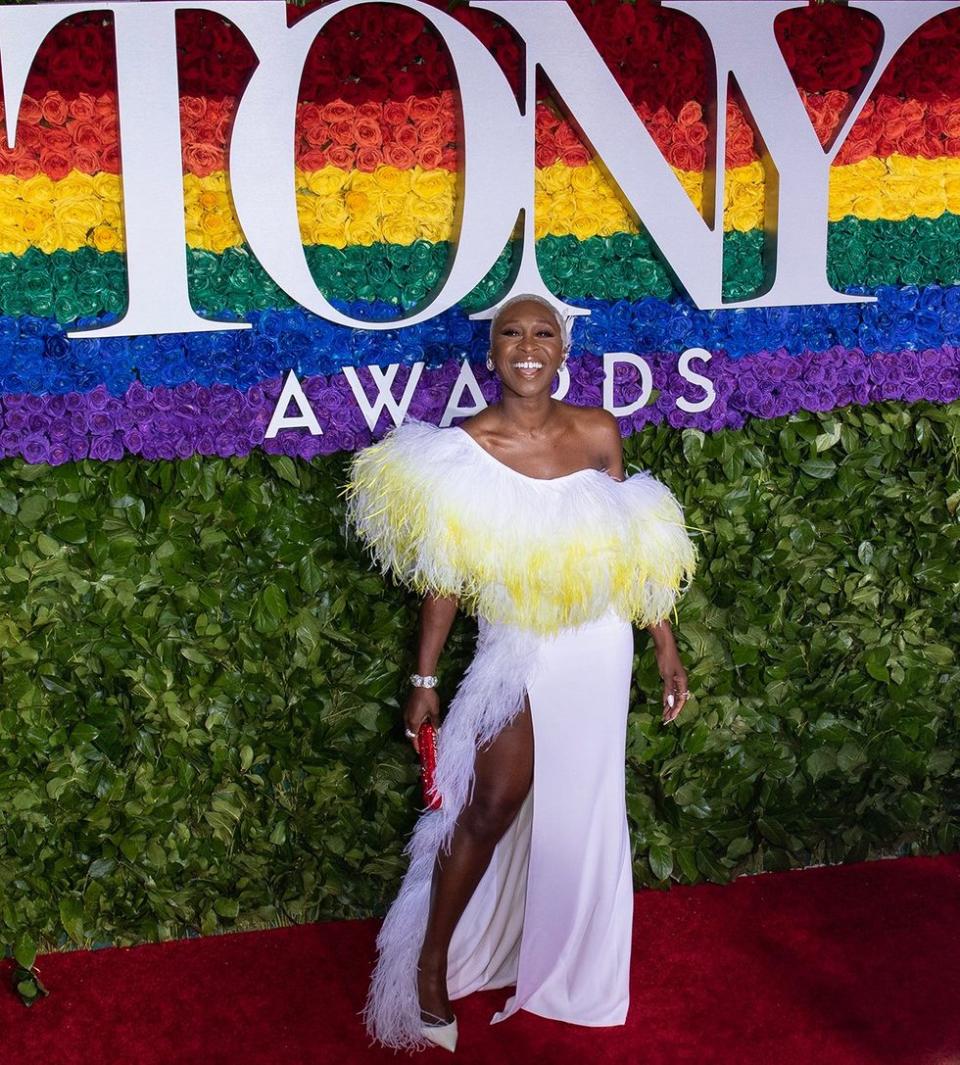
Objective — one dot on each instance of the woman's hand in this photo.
(423, 704)
(675, 692)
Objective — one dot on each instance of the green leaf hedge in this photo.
(201, 679)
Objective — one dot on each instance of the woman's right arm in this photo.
(436, 619)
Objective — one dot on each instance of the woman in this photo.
(522, 516)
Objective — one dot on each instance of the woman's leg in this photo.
(504, 772)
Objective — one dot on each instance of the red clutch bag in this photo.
(427, 737)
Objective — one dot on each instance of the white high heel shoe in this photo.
(443, 1034)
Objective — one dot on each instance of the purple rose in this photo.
(133, 441)
(35, 448)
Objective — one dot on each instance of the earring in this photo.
(563, 364)
(489, 363)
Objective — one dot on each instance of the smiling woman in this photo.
(522, 516)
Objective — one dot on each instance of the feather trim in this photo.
(490, 695)
(444, 516)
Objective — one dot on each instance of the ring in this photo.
(409, 733)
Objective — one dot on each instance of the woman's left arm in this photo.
(671, 669)
(674, 676)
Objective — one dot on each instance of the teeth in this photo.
(529, 365)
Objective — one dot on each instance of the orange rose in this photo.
(576, 155)
(87, 135)
(26, 166)
(430, 131)
(30, 113)
(395, 113)
(399, 156)
(682, 156)
(367, 133)
(429, 156)
(370, 109)
(53, 107)
(342, 132)
(56, 165)
(313, 159)
(369, 157)
(203, 159)
(337, 111)
(110, 158)
(58, 138)
(546, 155)
(106, 104)
(193, 108)
(86, 161)
(82, 107)
(28, 137)
(690, 114)
(406, 136)
(567, 137)
(340, 156)
(311, 124)
(422, 107)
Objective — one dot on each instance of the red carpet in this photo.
(849, 965)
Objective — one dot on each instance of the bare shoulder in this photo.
(478, 424)
(600, 433)
(597, 425)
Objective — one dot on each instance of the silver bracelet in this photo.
(422, 682)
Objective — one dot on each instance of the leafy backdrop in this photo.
(201, 678)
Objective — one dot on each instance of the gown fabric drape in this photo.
(552, 914)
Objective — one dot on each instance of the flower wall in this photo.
(200, 675)
(376, 183)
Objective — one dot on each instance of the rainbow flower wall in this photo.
(376, 177)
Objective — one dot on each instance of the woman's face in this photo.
(527, 348)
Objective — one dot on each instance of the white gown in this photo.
(556, 571)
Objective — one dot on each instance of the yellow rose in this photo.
(388, 204)
(334, 213)
(400, 230)
(951, 190)
(36, 190)
(432, 185)
(585, 225)
(49, 239)
(553, 178)
(365, 233)
(327, 181)
(392, 180)
(12, 239)
(106, 238)
(85, 213)
(105, 186)
(586, 177)
(334, 236)
(868, 205)
(742, 219)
